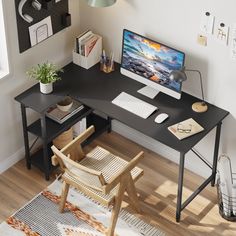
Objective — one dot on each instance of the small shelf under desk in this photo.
(53, 128)
(101, 125)
(47, 129)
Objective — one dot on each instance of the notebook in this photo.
(185, 128)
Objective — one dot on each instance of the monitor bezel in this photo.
(143, 79)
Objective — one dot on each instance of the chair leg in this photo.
(64, 193)
(131, 190)
(116, 208)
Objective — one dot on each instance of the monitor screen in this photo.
(150, 62)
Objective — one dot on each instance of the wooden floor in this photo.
(157, 191)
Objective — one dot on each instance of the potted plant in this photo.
(46, 74)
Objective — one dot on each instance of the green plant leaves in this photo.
(45, 73)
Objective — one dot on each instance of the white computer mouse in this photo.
(161, 117)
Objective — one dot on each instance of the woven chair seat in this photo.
(102, 160)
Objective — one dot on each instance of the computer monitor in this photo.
(150, 63)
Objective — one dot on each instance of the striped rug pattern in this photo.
(82, 217)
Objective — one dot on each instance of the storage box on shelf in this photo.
(63, 139)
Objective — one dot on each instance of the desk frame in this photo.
(46, 134)
(180, 206)
(77, 82)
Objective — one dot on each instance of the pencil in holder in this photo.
(107, 63)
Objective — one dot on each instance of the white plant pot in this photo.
(46, 88)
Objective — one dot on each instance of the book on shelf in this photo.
(185, 128)
(59, 116)
(80, 38)
(85, 42)
(89, 44)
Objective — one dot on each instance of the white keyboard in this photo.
(134, 105)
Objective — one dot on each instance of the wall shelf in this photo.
(57, 11)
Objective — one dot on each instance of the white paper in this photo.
(79, 127)
(207, 23)
(222, 33)
(40, 31)
(83, 125)
(76, 129)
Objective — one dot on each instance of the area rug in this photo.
(82, 217)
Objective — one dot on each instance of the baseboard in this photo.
(12, 160)
(17, 156)
(192, 163)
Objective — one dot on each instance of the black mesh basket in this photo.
(226, 203)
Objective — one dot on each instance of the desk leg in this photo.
(180, 187)
(216, 151)
(45, 147)
(26, 138)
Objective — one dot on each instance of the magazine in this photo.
(59, 116)
(185, 128)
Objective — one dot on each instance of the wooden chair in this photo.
(99, 174)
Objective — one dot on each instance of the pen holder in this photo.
(106, 64)
(227, 204)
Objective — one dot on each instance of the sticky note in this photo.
(202, 40)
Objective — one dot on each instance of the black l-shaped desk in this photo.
(96, 90)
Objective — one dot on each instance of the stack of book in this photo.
(85, 42)
(59, 116)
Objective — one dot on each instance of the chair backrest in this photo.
(80, 172)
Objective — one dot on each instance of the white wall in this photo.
(56, 49)
(176, 23)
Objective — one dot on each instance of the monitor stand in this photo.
(148, 91)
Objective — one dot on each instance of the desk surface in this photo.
(97, 89)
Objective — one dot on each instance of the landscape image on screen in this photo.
(151, 60)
